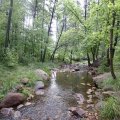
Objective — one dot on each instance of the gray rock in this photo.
(17, 115)
(108, 93)
(42, 74)
(20, 106)
(7, 111)
(79, 98)
(99, 105)
(39, 85)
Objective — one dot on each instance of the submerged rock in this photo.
(12, 99)
(78, 112)
(79, 98)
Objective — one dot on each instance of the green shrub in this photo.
(111, 109)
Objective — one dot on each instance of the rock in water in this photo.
(12, 99)
(39, 85)
(42, 74)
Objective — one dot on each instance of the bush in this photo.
(111, 109)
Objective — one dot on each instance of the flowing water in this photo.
(59, 96)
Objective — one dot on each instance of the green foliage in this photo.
(111, 109)
(11, 58)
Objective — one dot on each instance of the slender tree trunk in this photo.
(49, 28)
(7, 39)
(111, 43)
(88, 59)
(53, 54)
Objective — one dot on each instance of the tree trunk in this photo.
(53, 54)
(111, 43)
(7, 39)
(49, 28)
(88, 59)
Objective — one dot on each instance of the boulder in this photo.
(12, 99)
(39, 85)
(42, 74)
(7, 111)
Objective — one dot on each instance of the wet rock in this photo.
(88, 84)
(39, 85)
(78, 112)
(90, 106)
(42, 74)
(28, 103)
(89, 101)
(94, 88)
(20, 106)
(12, 99)
(31, 96)
(80, 98)
(39, 92)
(82, 83)
(99, 105)
(24, 81)
(90, 96)
(17, 115)
(7, 111)
(90, 91)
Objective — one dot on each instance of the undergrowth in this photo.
(10, 77)
(110, 109)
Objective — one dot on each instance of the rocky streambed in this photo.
(71, 95)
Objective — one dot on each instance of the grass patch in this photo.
(111, 109)
(115, 84)
(10, 77)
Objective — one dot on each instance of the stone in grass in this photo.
(12, 99)
(24, 81)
